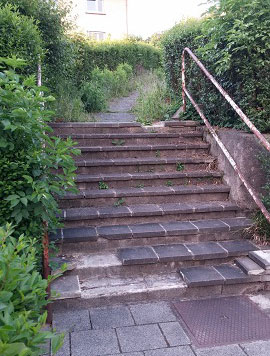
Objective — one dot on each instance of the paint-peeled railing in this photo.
(246, 120)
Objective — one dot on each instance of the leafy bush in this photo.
(19, 36)
(23, 297)
(30, 157)
(234, 44)
(155, 101)
(106, 84)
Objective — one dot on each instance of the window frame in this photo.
(98, 3)
(96, 33)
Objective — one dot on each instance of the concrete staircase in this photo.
(152, 219)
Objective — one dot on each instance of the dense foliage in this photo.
(233, 42)
(109, 54)
(22, 298)
(29, 157)
(19, 36)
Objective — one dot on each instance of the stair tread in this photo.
(133, 135)
(223, 274)
(138, 176)
(143, 147)
(262, 258)
(150, 230)
(146, 210)
(136, 161)
(148, 191)
(178, 252)
(248, 266)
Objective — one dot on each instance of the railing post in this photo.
(183, 81)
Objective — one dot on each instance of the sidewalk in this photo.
(150, 329)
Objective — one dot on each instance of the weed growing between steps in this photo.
(155, 101)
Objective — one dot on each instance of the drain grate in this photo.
(224, 320)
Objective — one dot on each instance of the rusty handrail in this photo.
(253, 128)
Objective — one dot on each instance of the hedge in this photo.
(109, 54)
(20, 37)
(233, 42)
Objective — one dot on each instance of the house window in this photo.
(95, 6)
(96, 35)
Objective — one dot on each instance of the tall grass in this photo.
(155, 101)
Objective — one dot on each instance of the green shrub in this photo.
(93, 97)
(29, 156)
(106, 84)
(68, 105)
(233, 42)
(23, 297)
(19, 37)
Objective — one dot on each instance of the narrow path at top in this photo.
(119, 109)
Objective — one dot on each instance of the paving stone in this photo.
(174, 334)
(179, 228)
(174, 208)
(238, 247)
(137, 255)
(115, 232)
(80, 234)
(65, 349)
(145, 209)
(140, 338)
(131, 354)
(201, 276)
(111, 317)
(72, 321)
(94, 343)
(206, 250)
(66, 287)
(175, 252)
(172, 351)
(262, 258)
(81, 213)
(152, 313)
(114, 212)
(55, 236)
(237, 223)
(228, 350)
(206, 207)
(147, 230)
(232, 274)
(259, 348)
(249, 267)
(211, 225)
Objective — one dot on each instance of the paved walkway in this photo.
(148, 329)
(119, 109)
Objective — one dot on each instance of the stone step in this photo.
(154, 259)
(184, 252)
(137, 151)
(262, 258)
(248, 266)
(64, 128)
(225, 274)
(112, 290)
(141, 180)
(94, 239)
(146, 213)
(143, 165)
(147, 195)
(141, 138)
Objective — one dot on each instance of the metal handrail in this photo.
(253, 128)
